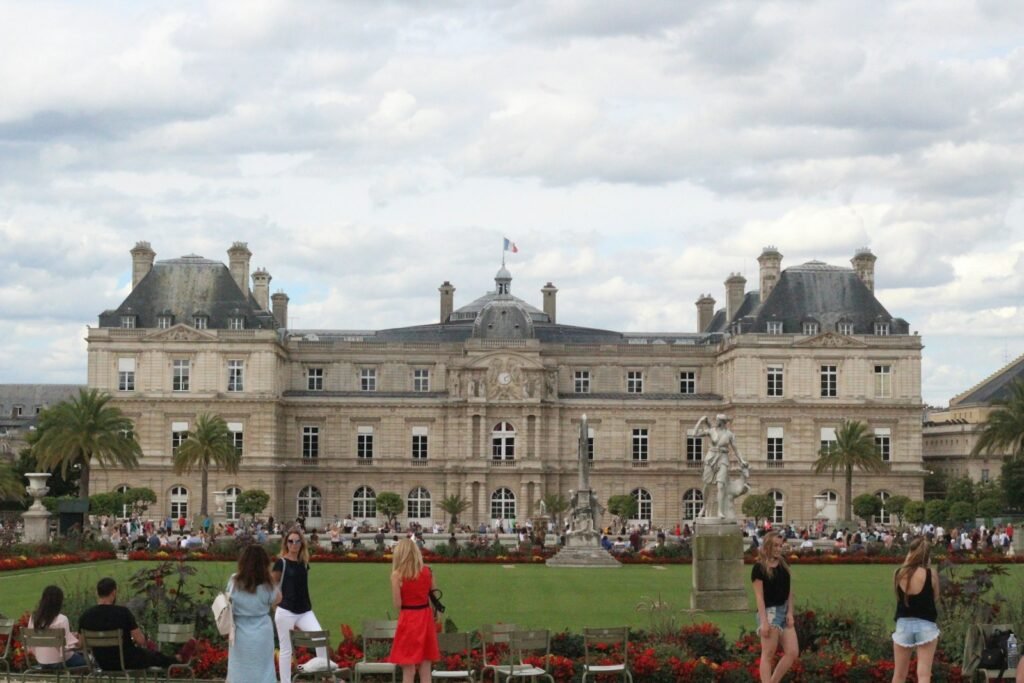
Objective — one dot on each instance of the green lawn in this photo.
(525, 594)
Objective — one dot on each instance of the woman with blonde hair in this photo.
(917, 587)
(774, 594)
(415, 643)
(295, 611)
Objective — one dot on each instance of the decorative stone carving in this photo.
(180, 333)
(506, 380)
(719, 491)
(831, 340)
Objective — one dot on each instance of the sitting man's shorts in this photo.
(911, 632)
(776, 616)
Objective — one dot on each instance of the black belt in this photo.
(425, 606)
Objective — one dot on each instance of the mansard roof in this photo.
(995, 387)
(188, 286)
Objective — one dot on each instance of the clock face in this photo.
(504, 378)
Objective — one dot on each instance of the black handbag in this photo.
(435, 601)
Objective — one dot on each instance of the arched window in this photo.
(179, 502)
(126, 509)
(883, 517)
(364, 504)
(503, 504)
(231, 502)
(418, 504)
(310, 502)
(779, 513)
(693, 502)
(503, 442)
(644, 504)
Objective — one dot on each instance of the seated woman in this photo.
(48, 616)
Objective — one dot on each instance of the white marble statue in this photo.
(719, 491)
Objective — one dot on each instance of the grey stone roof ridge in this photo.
(994, 387)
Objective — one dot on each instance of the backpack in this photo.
(993, 655)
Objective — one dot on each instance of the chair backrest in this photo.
(453, 643)
(46, 637)
(616, 637)
(377, 630)
(93, 639)
(521, 644)
(6, 629)
(175, 633)
(311, 639)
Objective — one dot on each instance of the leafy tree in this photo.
(390, 505)
(139, 499)
(961, 512)
(935, 485)
(989, 489)
(1012, 481)
(897, 506)
(758, 506)
(854, 448)
(866, 506)
(252, 502)
(209, 444)
(936, 511)
(915, 512)
(961, 488)
(1003, 429)
(454, 505)
(988, 508)
(555, 504)
(60, 487)
(111, 504)
(11, 486)
(80, 431)
(622, 507)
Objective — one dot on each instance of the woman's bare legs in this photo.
(790, 651)
(901, 662)
(768, 647)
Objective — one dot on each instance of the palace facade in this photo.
(486, 401)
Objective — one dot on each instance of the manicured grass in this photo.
(524, 594)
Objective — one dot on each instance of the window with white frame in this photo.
(635, 382)
(882, 329)
(310, 442)
(503, 504)
(693, 503)
(810, 328)
(421, 380)
(844, 328)
(179, 432)
(694, 447)
(774, 387)
(315, 379)
(419, 443)
(128, 322)
(126, 374)
(883, 381)
(774, 446)
(237, 432)
(309, 503)
(503, 442)
(417, 505)
(163, 322)
(883, 443)
(231, 494)
(829, 381)
(235, 379)
(581, 381)
(687, 382)
(640, 444)
(779, 511)
(364, 503)
(19, 410)
(644, 504)
(883, 516)
(774, 327)
(368, 379)
(827, 440)
(364, 442)
(200, 322)
(180, 374)
(236, 322)
(179, 502)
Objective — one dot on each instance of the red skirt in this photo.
(415, 639)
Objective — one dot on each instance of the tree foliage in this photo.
(11, 485)
(622, 507)
(555, 505)
(1012, 480)
(854, 448)
(897, 506)
(111, 504)
(915, 512)
(139, 499)
(390, 505)
(252, 502)
(1002, 432)
(936, 511)
(454, 505)
(758, 506)
(210, 444)
(81, 431)
(988, 508)
(866, 506)
(961, 512)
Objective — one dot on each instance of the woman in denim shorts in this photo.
(917, 587)
(770, 576)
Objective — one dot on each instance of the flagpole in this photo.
(502, 252)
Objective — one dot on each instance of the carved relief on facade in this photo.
(830, 340)
(180, 333)
(506, 380)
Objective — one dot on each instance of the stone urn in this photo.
(37, 488)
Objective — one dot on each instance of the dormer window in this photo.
(810, 328)
(774, 327)
(200, 321)
(163, 322)
(882, 329)
(128, 322)
(236, 323)
(844, 328)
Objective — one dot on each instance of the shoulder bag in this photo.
(222, 614)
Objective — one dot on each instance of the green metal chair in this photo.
(616, 637)
(6, 630)
(452, 644)
(94, 639)
(521, 645)
(376, 634)
(174, 634)
(51, 638)
(492, 638)
(312, 640)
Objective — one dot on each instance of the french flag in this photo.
(511, 246)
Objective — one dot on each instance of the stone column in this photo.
(718, 584)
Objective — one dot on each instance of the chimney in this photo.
(771, 265)
(447, 300)
(142, 262)
(280, 304)
(705, 312)
(238, 262)
(261, 288)
(734, 288)
(863, 262)
(549, 291)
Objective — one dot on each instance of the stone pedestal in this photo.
(37, 526)
(583, 549)
(718, 576)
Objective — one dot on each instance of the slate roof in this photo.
(184, 287)
(458, 332)
(994, 387)
(28, 396)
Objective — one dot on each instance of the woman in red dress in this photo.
(415, 644)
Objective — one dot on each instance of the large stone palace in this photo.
(486, 401)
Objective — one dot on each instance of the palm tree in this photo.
(854, 447)
(1003, 429)
(454, 505)
(210, 443)
(11, 486)
(75, 432)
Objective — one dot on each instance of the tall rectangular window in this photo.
(235, 375)
(126, 374)
(180, 375)
(421, 380)
(315, 379)
(310, 442)
(640, 444)
(419, 443)
(179, 432)
(236, 323)
(368, 379)
(844, 328)
(828, 439)
(775, 380)
(687, 382)
(635, 382)
(810, 328)
(774, 448)
(694, 448)
(882, 329)
(829, 381)
(883, 443)
(237, 436)
(163, 322)
(581, 381)
(364, 443)
(774, 327)
(200, 322)
(883, 381)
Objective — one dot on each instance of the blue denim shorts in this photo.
(776, 616)
(911, 632)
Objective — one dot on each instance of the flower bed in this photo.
(344, 556)
(12, 562)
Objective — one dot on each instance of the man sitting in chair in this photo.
(106, 615)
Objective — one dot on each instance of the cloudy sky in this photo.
(637, 153)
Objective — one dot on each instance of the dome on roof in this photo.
(503, 319)
(503, 274)
(816, 266)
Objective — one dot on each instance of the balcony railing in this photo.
(775, 464)
(502, 463)
(694, 464)
(639, 464)
(364, 461)
(419, 462)
(309, 461)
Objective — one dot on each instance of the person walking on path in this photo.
(917, 588)
(415, 645)
(253, 595)
(295, 611)
(774, 594)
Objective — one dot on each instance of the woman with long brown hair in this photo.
(48, 615)
(774, 594)
(917, 588)
(415, 645)
(295, 611)
(253, 595)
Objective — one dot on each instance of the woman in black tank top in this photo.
(917, 586)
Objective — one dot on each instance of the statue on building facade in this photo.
(719, 491)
